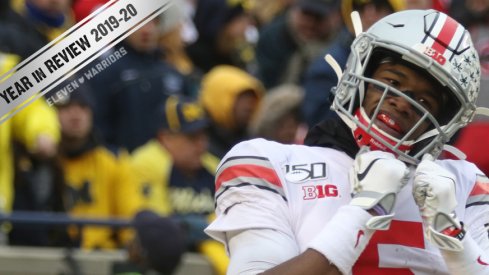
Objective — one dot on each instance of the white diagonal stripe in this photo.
(11, 100)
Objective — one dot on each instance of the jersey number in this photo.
(400, 233)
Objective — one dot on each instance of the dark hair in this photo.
(161, 239)
(360, 4)
(212, 15)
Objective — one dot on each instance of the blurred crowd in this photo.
(138, 133)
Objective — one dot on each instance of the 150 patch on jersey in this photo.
(299, 173)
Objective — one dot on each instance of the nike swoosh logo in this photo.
(481, 262)
(359, 235)
(364, 173)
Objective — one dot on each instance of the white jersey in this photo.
(296, 189)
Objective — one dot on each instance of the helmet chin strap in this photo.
(449, 148)
(428, 134)
(482, 111)
(454, 150)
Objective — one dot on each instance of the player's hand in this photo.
(376, 177)
(434, 193)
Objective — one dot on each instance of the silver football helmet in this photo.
(431, 42)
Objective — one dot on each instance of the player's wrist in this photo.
(380, 208)
(346, 232)
(470, 260)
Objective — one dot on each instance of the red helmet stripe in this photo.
(442, 41)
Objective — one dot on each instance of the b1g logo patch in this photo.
(438, 57)
(299, 173)
(319, 191)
